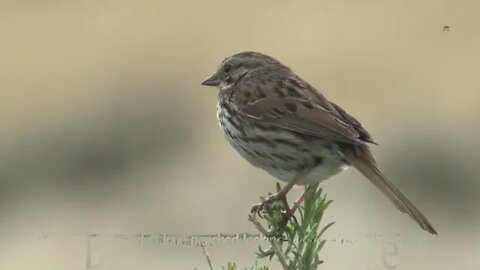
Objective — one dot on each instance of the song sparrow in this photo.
(281, 124)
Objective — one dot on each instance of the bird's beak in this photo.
(213, 80)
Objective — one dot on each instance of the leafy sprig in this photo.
(295, 242)
(299, 240)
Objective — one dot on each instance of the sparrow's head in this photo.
(235, 67)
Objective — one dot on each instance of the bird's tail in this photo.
(362, 159)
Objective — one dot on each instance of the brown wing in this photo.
(364, 135)
(301, 109)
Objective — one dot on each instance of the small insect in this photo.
(446, 28)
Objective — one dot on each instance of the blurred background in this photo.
(106, 129)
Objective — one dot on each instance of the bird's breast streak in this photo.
(279, 152)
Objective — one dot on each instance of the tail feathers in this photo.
(362, 159)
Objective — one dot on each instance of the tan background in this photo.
(105, 127)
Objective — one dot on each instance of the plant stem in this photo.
(209, 260)
(276, 247)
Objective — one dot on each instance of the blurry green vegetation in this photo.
(295, 243)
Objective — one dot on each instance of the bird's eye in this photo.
(227, 68)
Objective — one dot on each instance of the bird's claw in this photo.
(257, 209)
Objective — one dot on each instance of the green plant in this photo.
(295, 242)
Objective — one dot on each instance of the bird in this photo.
(281, 124)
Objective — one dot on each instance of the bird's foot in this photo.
(279, 196)
(257, 208)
